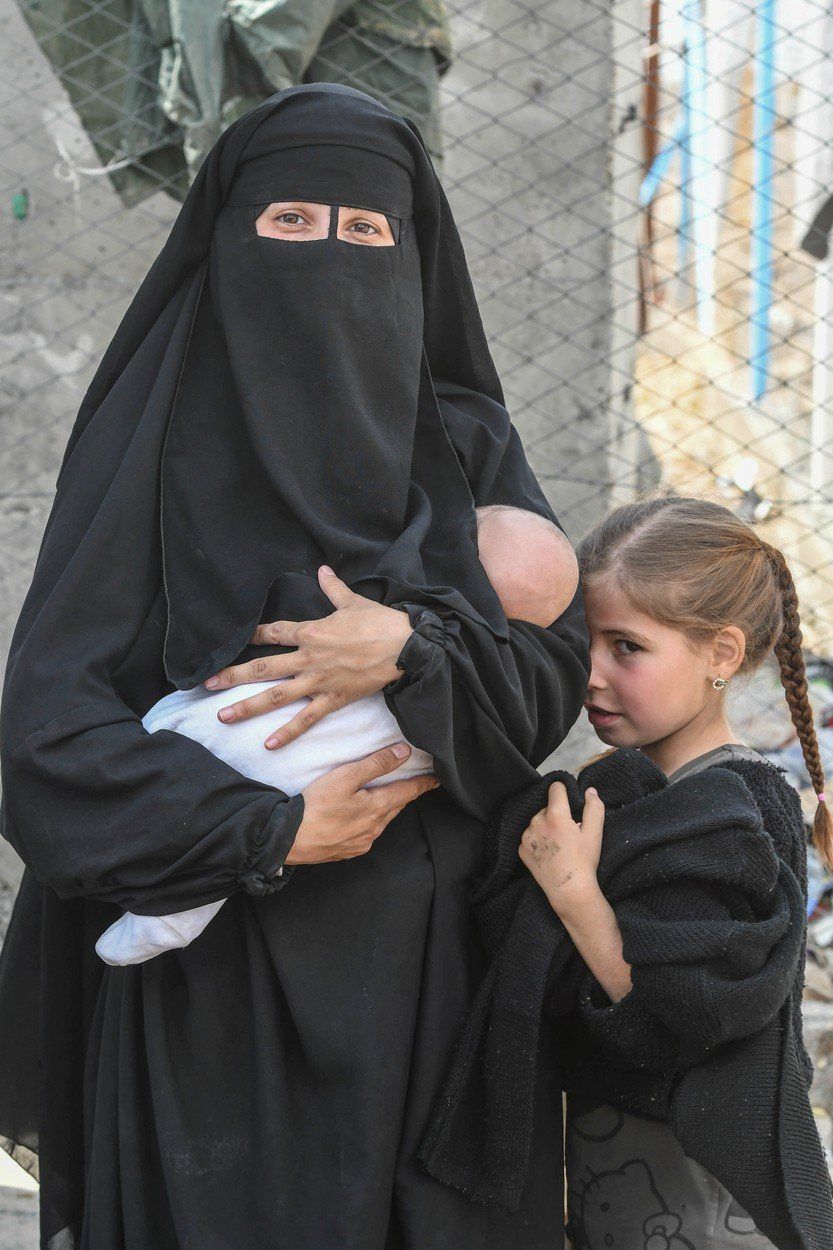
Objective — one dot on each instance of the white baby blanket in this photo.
(348, 734)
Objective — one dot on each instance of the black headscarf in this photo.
(304, 423)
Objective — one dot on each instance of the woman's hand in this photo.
(340, 658)
(563, 856)
(342, 819)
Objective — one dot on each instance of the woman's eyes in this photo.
(290, 218)
(282, 218)
(364, 229)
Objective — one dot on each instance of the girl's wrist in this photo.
(574, 892)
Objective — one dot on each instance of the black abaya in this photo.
(267, 1086)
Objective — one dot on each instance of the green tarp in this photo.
(155, 82)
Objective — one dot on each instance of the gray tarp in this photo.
(155, 82)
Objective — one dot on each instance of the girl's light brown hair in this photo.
(693, 565)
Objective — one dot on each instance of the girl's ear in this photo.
(728, 650)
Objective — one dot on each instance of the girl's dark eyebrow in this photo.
(629, 632)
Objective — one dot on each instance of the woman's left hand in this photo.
(562, 855)
(339, 658)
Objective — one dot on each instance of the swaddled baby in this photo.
(533, 570)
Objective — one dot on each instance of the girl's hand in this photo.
(339, 658)
(563, 856)
(343, 818)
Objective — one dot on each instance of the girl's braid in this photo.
(790, 658)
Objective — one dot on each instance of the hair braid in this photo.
(794, 680)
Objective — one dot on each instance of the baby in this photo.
(533, 570)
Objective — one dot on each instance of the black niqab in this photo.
(306, 429)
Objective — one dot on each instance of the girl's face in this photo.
(648, 680)
(302, 220)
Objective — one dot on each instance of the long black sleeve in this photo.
(488, 710)
(706, 969)
(153, 822)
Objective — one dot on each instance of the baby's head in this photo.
(529, 561)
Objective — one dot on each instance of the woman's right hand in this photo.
(342, 819)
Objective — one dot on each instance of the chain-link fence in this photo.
(643, 190)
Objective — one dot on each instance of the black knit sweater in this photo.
(708, 880)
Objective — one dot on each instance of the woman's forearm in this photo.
(591, 922)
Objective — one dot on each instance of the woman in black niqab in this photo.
(267, 406)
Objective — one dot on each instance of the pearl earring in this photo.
(719, 682)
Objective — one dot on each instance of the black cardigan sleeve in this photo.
(706, 968)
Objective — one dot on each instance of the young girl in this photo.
(682, 597)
